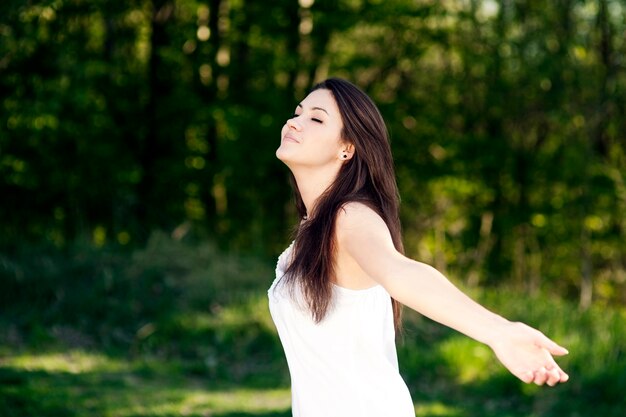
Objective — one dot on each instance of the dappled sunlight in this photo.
(438, 409)
(471, 361)
(189, 401)
(240, 400)
(255, 307)
(449, 374)
(252, 306)
(73, 361)
(92, 382)
(144, 206)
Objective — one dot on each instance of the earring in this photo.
(344, 156)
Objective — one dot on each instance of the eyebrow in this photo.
(314, 108)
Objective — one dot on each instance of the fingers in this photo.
(552, 347)
(529, 356)
(548, 376)
(545, 375)
(527, 377)
(547, 372)
(555, 349)
(551, 374)
(541, 376)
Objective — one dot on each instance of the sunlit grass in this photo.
(89, 382)
(73, 361)
(190, 401)
(449, 374)
(250, 399)
(438, 409)
(203, 344)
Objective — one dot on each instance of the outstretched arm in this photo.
(524, 351)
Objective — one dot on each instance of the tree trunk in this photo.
(153, 148)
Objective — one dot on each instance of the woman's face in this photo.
(312, 137)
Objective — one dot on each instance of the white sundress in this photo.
(346, 365)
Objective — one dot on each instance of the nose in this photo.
(293, 124)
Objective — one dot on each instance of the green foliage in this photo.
(94, 296)
(439, 363)
(120, 118)
(178, 328)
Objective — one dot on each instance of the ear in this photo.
(347, 151)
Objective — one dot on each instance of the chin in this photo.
(279, 154)
(285, 159)
(282, 154)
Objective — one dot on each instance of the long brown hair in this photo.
(368, 177)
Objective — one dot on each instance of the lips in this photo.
(289, 138)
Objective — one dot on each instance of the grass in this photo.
(181, 330)
(85, 383)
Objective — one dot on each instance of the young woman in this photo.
(338, 288)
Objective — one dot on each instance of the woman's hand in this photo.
(527, 353)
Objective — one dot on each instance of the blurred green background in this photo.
(143, 208)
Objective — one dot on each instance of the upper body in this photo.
(336, 148)
(345, 365)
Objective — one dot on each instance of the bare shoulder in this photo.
(363, 237)
(355, 213)
(357, 221)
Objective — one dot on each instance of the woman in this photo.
(338, 289)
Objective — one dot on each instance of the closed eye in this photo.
(316, 120)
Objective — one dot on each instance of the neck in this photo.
(312, 183)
